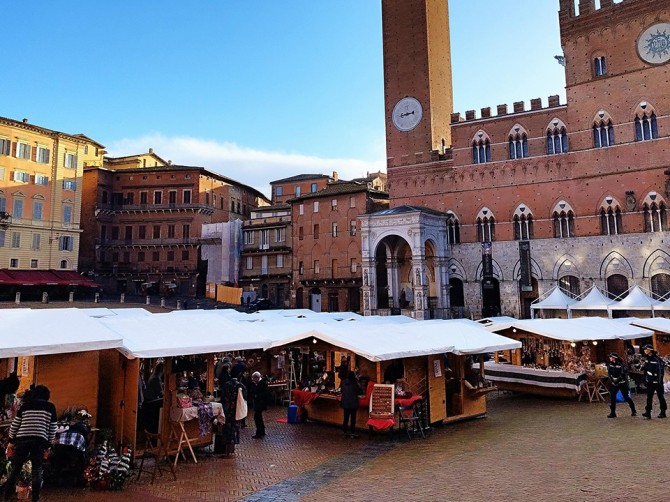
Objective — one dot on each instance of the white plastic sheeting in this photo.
(556, 300)
(581, 328)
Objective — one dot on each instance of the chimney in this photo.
(169, 162)
(336, 176)
(25, 121)
(151, 150)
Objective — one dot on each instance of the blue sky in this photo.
(255, 89)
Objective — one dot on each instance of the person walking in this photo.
(349, 403)
(229, 398)
(261, 398)
(31, 435)
(617, 375)
(653, 369)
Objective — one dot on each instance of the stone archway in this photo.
(405, 257)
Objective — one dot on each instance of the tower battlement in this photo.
(582, 15)
(518, 107)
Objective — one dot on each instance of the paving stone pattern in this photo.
(527, 449)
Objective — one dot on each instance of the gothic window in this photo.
(660, 286)
(570, 283)
(523, 223)
(557, 138)
(599, 66)
(646, 127)
(603, 130)
(453, 229)
(655, 218)
(481, 148)
(617, 286)
(564, 220)
(518, 143)
(610, 217)
(486, 226)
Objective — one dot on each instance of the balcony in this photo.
(116, 208)
(5, 219)
(192, 241)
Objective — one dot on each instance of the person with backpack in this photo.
(617, 375)
(653, 369)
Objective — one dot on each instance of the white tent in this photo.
(581, 329)
(384, 341)
(660, 324)
(34, 332)
(635, 300)
(555, 300)
(593, 300)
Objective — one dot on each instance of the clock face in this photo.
(653, 46)
(407, 114)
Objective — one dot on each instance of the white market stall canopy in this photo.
(581, 329)
(660, 324)
(636, 299)
(35, 332)
(556, 300)
(594, 300)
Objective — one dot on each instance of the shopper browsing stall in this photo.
(261, 397)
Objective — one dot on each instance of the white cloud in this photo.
(252, 167)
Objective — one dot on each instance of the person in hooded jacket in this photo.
(349, 403)
(653, 369)
(617, 375)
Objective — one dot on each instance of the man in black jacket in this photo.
(31, 434)
(618, 382)
(261, 398)
(653, 369)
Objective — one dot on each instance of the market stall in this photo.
(185, 347)
(65, 357)
(428, 362)
(661, 329)
(557, 355)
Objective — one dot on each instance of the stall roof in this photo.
(635, 300)
(660, 324)
(594, 300)
(380, 342)
(105, 312)
(581, 328)
(69, 330)
(166, 335)
(556, 300)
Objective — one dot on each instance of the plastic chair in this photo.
(409, 419)
(156, 450)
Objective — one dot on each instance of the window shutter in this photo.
(13, 148)
(33, 153)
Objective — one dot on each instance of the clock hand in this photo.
(403, 115)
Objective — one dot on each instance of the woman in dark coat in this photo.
(231, 432)
(349, 403)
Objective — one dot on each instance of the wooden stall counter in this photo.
(191, 427)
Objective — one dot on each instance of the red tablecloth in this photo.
(380, 423)
(408, 401)
(303, 397)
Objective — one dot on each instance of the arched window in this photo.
(564, 220)
(646, 127)
(518, 143)
(63, 264)
(571, 284)
(523, 223)
(603, 130)
(599, 66)
(481, 148)
(660, 286)
(453, 229)
(486, 226)
(610, 217)
(655, 218)
(557, 138)
(456, 293)
(617, 285)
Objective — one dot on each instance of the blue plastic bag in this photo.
(619, 397)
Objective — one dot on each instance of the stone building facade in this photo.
(573, 194)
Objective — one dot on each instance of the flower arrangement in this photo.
(107, 470)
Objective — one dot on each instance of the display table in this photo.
(533, 380)
(179, 434)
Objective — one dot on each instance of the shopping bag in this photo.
(241, 408)
(619, 397)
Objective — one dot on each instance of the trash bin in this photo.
(292, 417)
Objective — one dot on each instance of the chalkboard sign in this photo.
(382, 401)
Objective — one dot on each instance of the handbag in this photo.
(241, 408)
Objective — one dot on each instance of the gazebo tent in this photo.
(593, 300)
(555, 300)
(635, 300)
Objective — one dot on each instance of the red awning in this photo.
(45, 278)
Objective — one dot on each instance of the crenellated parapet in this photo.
(518, 107)
(576, 16)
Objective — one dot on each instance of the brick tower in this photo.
(417, 80)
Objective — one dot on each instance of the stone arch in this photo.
(497, 271)
(456, 269)
(658, 261)
(615, 263)
(565, 265)
(535, 270)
